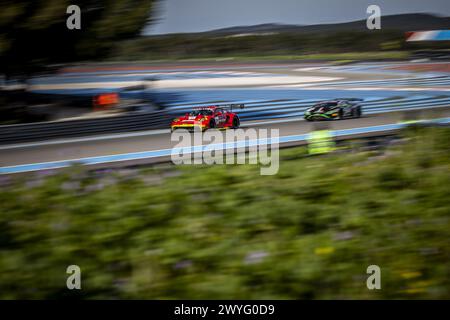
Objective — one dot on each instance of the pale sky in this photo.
(202, 15)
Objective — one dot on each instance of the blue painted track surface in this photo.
(279, 103)
(269, 102)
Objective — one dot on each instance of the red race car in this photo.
(220, 117)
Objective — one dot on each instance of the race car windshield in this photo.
(326, 106)
(203, 112)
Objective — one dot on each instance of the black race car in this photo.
(334, 109)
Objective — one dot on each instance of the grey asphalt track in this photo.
(76, 148)
(156, 140)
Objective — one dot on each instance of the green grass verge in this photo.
(227, 232)
(349, 56)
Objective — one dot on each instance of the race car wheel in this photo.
(236, 123)
(358, 112)
(212, 124)
(341, 114)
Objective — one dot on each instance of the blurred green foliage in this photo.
(221, 232)
(33, 33)
(189, 46)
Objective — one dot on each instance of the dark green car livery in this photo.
(335, 109)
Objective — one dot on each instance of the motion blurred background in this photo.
(153, 230)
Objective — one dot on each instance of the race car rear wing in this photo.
(225, 106)
(231, 106)
(350, 99)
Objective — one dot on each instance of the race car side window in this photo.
(327, 106)
(204, 112)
